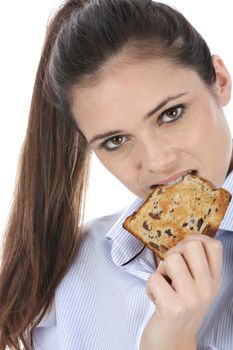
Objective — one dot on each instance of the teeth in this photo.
(181, 177)
(175, 181)
(193, 172)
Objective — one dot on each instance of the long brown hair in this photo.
(45, 223)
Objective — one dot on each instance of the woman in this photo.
(134, 82)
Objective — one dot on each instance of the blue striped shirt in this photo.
(101, 303)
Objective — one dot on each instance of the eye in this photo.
(172, 114)
(113, 143)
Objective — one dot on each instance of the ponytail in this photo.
(44, 226)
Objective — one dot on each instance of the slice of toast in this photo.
(172, 212)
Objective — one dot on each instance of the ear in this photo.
(223, 81)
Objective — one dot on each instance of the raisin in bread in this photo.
(172, 212)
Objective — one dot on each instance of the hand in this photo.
(182, 288)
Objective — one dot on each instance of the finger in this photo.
(194, 255)
(174, 266)
(193, 237)
(150, 294)
(212, 249)
(214, 254)
(158, 289)
(196, 259)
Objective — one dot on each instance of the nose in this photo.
(158, 157)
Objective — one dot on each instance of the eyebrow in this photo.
(163, 104)
(102, 136)
(149, 114)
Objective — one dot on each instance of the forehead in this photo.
(123, 87)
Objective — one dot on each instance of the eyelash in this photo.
(183, 108)
(174, 108)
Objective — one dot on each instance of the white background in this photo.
(22, 30)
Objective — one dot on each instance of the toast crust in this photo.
(173, 212)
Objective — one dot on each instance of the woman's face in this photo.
(151, 122)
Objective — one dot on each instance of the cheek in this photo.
(215, 134)
(203, 130)
(213, 145)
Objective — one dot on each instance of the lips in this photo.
(174, 179)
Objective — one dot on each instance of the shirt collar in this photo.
(124, 245)
(227, 223)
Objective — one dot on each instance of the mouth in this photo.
(174, 179)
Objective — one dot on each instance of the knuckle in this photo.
(179, 310)
(193, 245)
(151, 281)
(207, 295)
(216, 246)
(172, 259)
(209, 292)
(175, 265)
(192, 304)
(216, 287)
